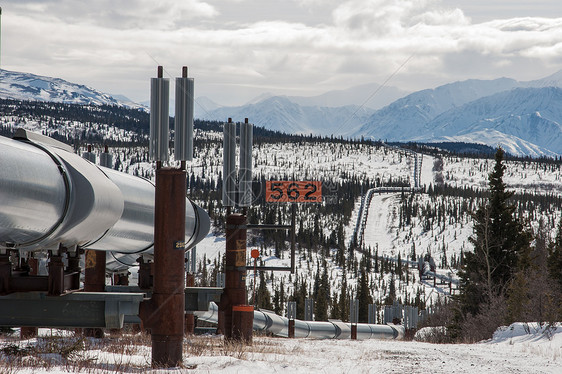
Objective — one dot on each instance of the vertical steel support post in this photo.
(354, 317)
(94, 272)
(94, 281)
(235, 279)
(291, 315)
(56, 275)
(167, 319)
(30, 332)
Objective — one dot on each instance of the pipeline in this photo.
(334, 329)
(52, 197)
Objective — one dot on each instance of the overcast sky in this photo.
(237, 49)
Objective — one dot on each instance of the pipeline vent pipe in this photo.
(229, 164)
(183, 142)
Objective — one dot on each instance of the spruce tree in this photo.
(555, 257)
(364, 296)
(499, 241)
(263, 297)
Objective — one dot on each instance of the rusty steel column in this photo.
(165, 315)
(354, 331)
(94, 281)
(94, 273)
(56, 275)
(30, 332)
(291, 333)
(235, 278)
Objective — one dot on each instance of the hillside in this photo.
(399, 225)
(523, 117)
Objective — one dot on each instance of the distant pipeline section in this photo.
(51, 197)
(334, 329)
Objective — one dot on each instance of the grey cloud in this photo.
(361, 41)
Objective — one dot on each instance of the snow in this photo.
(382, 214)
(519, 348)
(427, 171)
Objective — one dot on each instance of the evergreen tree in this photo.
(322, 296)
(263, 296)
(555, 257)
(500, 244)
(344, 301)
(364, 296)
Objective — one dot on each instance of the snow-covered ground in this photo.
(519, 348)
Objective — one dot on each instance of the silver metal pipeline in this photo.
(50, 196)
(333, 329)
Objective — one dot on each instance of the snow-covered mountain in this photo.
(522, 120)
(406, 117)
(26, 86)
(279, 113)
(523, 117)
(333, 112)
(371, 95)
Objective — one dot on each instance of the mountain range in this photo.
(525, 118)
(26, 86)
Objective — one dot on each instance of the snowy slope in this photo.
(26, 86)
(406, 117)
(529, 120)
